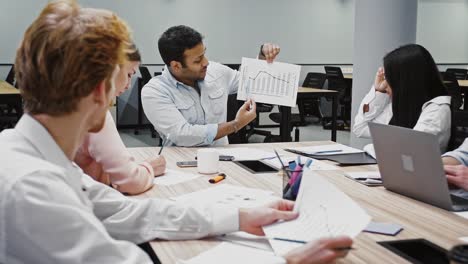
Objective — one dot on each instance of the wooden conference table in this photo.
(418, 219)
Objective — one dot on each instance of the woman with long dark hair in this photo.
(408, 92)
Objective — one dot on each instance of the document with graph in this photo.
(324, 211)
(271, 83)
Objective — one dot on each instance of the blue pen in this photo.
(304, 242)
(308, 163)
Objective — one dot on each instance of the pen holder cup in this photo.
(291, 183)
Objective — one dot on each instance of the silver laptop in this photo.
(410, 164)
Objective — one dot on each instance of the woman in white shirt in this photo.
(408, 92)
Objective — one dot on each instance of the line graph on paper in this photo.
(312, 223)
(274, 83)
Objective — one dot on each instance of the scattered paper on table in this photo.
(228, 253)
(272, 83)
(226, 194)
(172, 177)
(324, 211)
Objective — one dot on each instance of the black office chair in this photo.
(455, 92)
(459, 129)
(233, 106)
(460, 74)
(145, 78)
(454, 89)
(11, 76)
(311, 107)
(337, 82)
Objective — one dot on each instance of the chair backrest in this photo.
(233, 106)
(460, 74)
(334, 72)
(145, 74)
(454, 91)
(459, 128)
(336, 81)
(11, 76)
(314, 80)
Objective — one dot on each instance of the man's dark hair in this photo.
(174, 41)
(415, 79)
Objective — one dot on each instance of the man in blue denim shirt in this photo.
(189, 100)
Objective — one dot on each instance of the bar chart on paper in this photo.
(272, 83)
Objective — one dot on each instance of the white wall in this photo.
(318, 31)
(443, 29)
(309, 31)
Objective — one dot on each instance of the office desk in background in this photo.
(418, 219)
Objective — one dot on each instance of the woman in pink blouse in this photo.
(103, 155)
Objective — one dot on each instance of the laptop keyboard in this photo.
(458, 200)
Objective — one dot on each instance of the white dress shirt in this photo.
(435, 117)
(50, 212)
(190, 118)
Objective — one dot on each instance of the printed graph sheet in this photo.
(324, 211)
(272, 83)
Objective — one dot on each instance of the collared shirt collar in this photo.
(168, 75)
(40, 138)
(441, 100)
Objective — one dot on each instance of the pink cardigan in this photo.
(104, 157)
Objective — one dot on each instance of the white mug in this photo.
(207, 161)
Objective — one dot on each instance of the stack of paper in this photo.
(226, 194)
(171, 177)
(324, 211)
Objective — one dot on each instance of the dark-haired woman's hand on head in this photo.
(380, 84)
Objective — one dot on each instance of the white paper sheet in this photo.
(246, 239)
(228, 253)
(316, 164)
(272, 83)
(332, 149)
(172, 177)
(226, 194)
(324, 211)
(246, 153)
